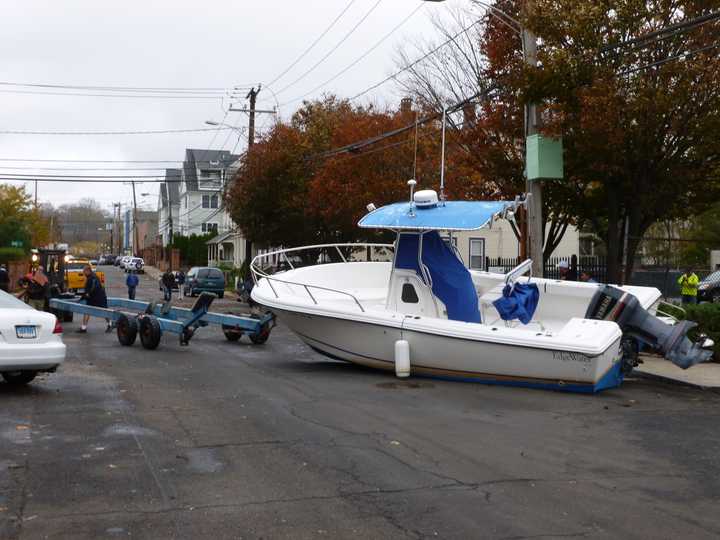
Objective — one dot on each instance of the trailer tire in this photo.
(231, 334)
(150, 332)
(127, 330)
(67, 316)
(262, 336)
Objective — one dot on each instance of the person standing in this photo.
(566, 273)
(132, 282)
(37, 290)
(168, 281)
(4, 279)
(689, 286)
(94, 296)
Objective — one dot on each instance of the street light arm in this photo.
(507, 19)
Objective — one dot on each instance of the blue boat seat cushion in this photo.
(518, 302)
(451, 281)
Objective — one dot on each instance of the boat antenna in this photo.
(412, 183)
(442, 159)
(416, 147)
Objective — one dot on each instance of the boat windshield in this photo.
(438, 266)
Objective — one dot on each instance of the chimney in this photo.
(406, 105)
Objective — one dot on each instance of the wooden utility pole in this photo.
(534, 226)
(135, 227)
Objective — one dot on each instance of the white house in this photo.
(204, 177)
(169, 205)
(500, 241)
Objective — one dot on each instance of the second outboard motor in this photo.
(613, 304)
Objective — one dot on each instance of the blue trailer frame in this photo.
(150, 320)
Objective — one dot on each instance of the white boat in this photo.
(413, 306)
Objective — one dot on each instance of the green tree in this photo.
(20, 221)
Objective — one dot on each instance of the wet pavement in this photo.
(232, 440)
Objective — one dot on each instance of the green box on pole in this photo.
(544, 158)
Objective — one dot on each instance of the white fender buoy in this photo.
(402, 358)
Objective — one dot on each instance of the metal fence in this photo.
(664, 279)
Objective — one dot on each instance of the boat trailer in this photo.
(150, 320)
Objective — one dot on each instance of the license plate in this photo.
(26, 332)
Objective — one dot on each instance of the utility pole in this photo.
(534, 227)
(135, 228)
(252, 111)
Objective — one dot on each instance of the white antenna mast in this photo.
(442, 159)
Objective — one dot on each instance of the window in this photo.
(209, 227)
(206, 201)
(409, 295)
(203, 273)
(209, 179)
(214, 201)
(477, 253)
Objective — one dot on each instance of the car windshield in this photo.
(215, 274)
(75, 265)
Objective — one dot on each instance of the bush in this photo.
(706, 315)
(8, 254)
(708, 318)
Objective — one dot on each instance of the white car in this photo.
(135, 264)
(30, 341)
(124, 261)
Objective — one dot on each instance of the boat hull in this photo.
(372, 344)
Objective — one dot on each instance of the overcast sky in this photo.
(178, 43)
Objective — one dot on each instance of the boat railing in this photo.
(283, 261)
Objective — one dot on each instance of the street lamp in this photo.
(534, 238)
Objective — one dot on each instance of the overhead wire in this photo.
(361, 57)
(335, 48)
(93, 133)
(671, 58)
(313, 44)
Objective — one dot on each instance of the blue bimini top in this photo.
(450, 216)
(451, 281)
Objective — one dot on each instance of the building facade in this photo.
(169, 206)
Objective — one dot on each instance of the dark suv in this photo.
(204, 279)
(709, 288)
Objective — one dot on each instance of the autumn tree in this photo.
(21, 224)
(639, 117)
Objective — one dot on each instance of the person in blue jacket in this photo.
(132, 282)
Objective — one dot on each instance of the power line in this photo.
(119, 96)
(679, 56)
(672, 28)
(123, 88)
(361, 57)
(139, 132)
(30, 160)
(336, 47)
(416, 62)
(312, 46)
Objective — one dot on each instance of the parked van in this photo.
(204, 279)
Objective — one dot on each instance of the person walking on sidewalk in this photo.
(94, 296)
(689, 286)
(168, 281)
(132, 282)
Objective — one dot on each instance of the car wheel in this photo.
(18, 378)
(127, 330)
(221, 294)
(150, 332)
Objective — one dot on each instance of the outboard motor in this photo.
(613, 304)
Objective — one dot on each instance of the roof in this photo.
(220, 238)
(198, 159)
(170, 188)
(452, 216)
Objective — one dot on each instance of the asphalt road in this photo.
(225, 440)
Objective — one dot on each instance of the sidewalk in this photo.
(706, 375)
(153, 272)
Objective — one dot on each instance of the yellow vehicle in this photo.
(74, 276)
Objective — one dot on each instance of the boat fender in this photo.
(402, 358)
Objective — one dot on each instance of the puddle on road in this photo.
(203, 460)
(128, 430)
(405, 384)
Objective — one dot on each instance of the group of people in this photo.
(568, 273)
(168, 281)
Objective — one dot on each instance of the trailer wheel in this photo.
(150, 332)
(231, 333)
(67, 316)
(127, 330)
(262, 336)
